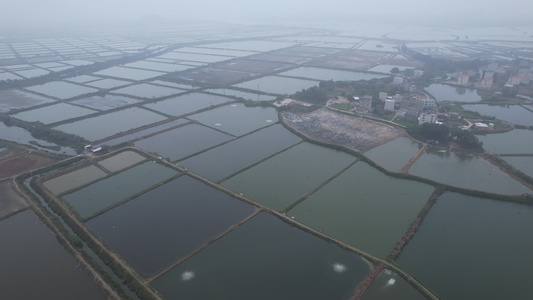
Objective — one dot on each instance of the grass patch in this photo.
(55, 148)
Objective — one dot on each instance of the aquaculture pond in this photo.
(283, 179)
(390, 286)
(108, 83)
(260, 46)
(395, 154)
(511, 142)
(186, 104)
(329, 74)
(183, 141)
(106, 102)
(106, 125)
(74, 179)
(515, 114)
(443, 92)
(121, 161)
(277, 85)
(227, 159)
(354, 209)
(61, 90)
(177, 218)
(237, 119)
(194, 57)
(266, 258)
(470, 172)
(145, 132)
(102, 194)
(35, 265)
(473, 248)
(128, 73)
(522, 163)
(147, 91)
(157, 66)
(16, 99)
(241, 94)
(53, 113)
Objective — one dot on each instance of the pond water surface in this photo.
(443, 92)
(277, 85)
(514, 141)
(511, 113)
(266, 258)
(395, 154)
(473, 248)
(36, 266)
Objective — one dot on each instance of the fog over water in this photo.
(29, 13)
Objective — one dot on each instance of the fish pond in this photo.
(241, 94)
(147, 91)
(264, 259)
(16, 99)
(390, 286)
(222, 161)
(53, 113)
(329, 74)
(522, 163)
(121, 161)
(102, 194)
(74, 179)
(473, 248)
(34, 264)
(515, 114)
(395, 154)
(106, 102)
(187, 104)
(177, 218)
(183, 141)
(129, 73)
(61, 90)
(470, 172)
(237, 119)
(443, 92)
(511, 142)
(106, 125)
(283, 179)
(347, 208)
(277, 85)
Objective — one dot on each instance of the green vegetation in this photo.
(55, 148)
(343, 106)
(442, 134)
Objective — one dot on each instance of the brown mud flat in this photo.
(10, 201)
(21, 160)
(333, 128)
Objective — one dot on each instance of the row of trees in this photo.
(443, 134)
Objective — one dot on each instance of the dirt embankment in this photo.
(337, 129)
(20, 160)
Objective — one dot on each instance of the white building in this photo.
(382, 96)
(389, 105)
(425, 103)
(397, 80)
(418, 73)
(463, 79)
(427, 118)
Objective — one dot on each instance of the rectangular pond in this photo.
(186, 104)
(61, 90)
(16, 99)
(467, 248)
(242, 95)
(145, 132)
(156, 229)
(515, 114)
(106, 102)
(237, 119)
(283, 179)
(364, 208)
(266, 258)
(53, 113)
(277, 85)
(511, 142)
(395, 154)
(157, 66)
(390, 286)
(224, 160)
(121, 161)
(329, 74)
(467, 172)
(147, 91)
(35, 265)
(102, 126)
(522, 163)
(128, 73)
(183, 141)
(108, 83)
(102, 194)
(74, 179)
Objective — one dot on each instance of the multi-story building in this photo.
(397, 80)
(418, 73)
(486, 82)
(427, 118)
(389, 105)
(463, 79)
(514, 80)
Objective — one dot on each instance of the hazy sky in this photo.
(43, 12)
